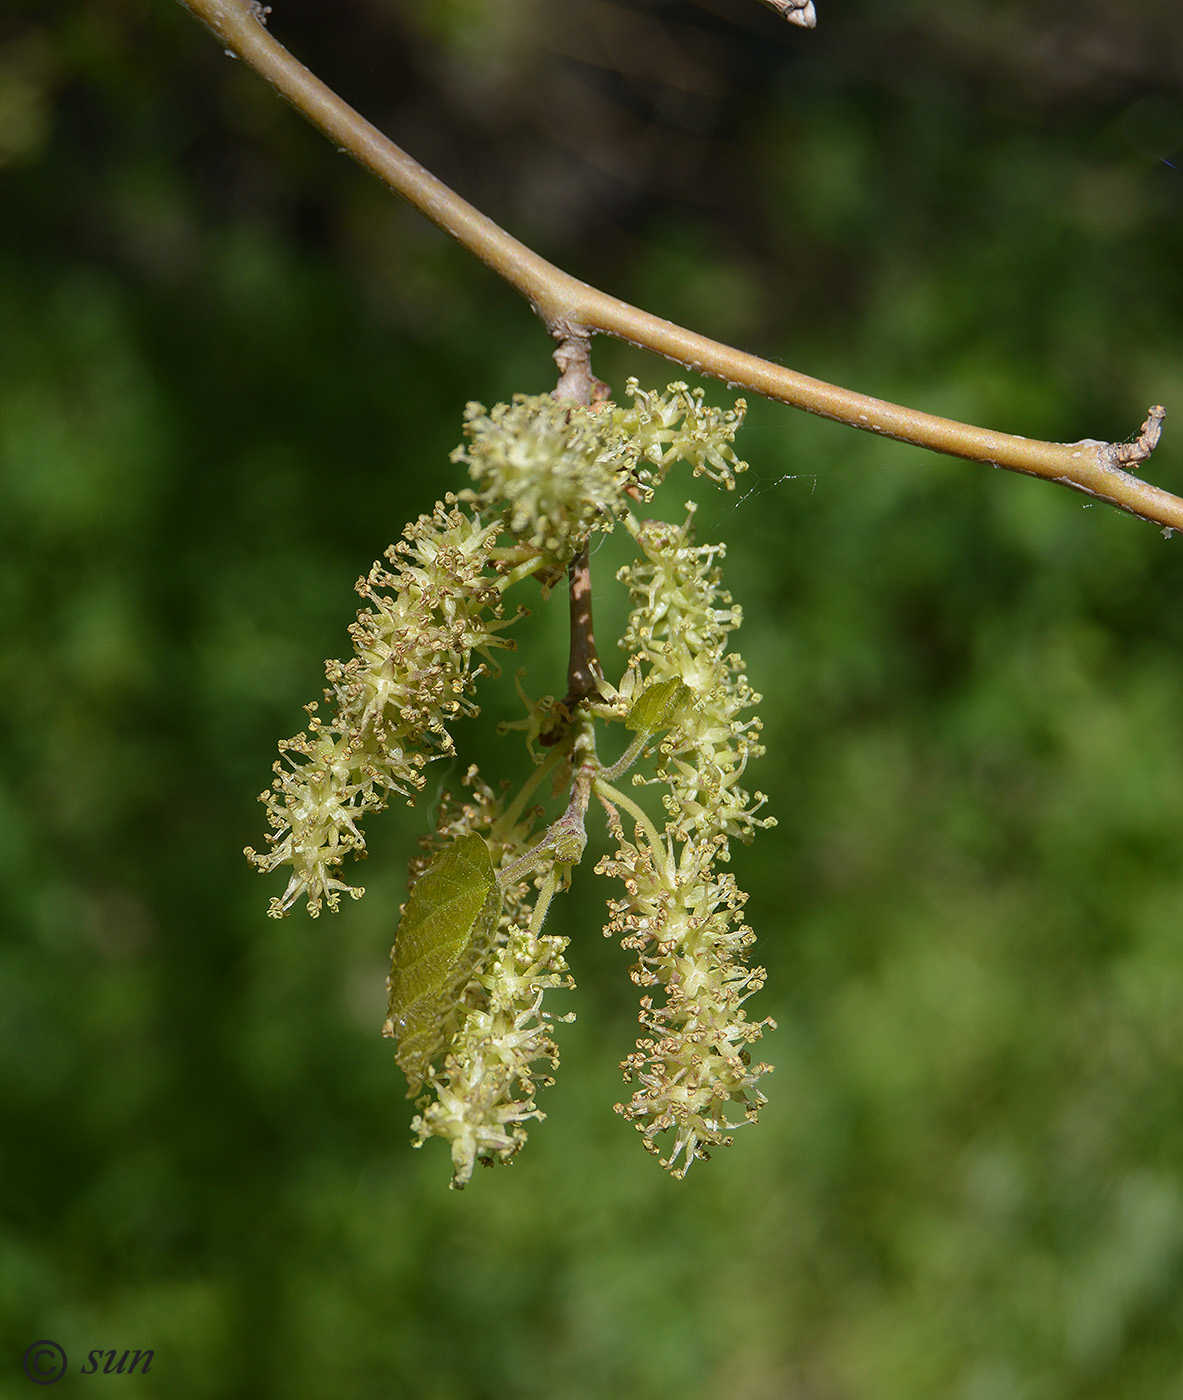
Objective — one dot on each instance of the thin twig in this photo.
(584, 673)
(573, 310)
(583, 669)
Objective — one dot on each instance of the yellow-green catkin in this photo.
(546, 474)
(680, 914)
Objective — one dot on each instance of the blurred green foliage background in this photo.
(231, 367)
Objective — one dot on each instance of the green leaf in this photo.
(446, 928)
(656, 705)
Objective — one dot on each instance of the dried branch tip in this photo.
(795, 11)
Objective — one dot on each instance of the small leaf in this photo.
(654, 708)
(447, 925)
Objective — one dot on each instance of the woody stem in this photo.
(572, 310)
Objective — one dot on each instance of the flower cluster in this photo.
(471, 965)
(497, 1036)
(547, 467)
(693, 1068)
(680, 915)
(412, 670)
(678, 630)
(556, 470)
(661, 429)
(484, 1092)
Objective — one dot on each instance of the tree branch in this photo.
(572, 310)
